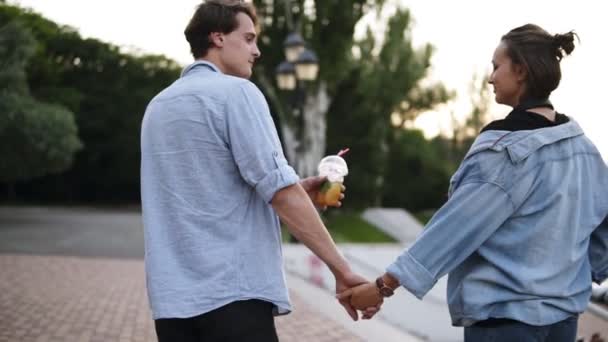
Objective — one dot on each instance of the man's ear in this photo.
(217, 39)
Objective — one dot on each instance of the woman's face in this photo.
(507, 78)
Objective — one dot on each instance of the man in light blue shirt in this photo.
(213, 179)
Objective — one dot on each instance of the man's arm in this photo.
(257, 152)
(296, 210)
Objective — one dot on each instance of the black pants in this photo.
(248, 320)
(506, 330)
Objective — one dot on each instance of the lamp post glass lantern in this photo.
(307, 66)
(294, 45)
(301, 64)
(286, 77)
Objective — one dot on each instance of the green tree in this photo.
(361, 83)
(328, 26)
(108, 91)
(381, 85)
(454, 148)
(417, 175)
(37, 138)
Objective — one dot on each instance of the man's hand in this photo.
(364, 297)
(345, 283)
(312, 185)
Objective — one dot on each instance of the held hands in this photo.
(365, 297)
(345, 288)
(312, 186)
(368, 297)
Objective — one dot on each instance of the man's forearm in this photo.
(295, 209)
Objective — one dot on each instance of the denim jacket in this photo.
(523, 233)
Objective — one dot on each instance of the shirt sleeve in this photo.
(471, 215)
(598, 252)
(254, 142)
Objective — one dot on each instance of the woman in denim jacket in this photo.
(525, 229)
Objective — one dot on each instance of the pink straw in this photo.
(343, 152)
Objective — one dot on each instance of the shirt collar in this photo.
(201, 63)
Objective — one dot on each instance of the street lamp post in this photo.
(293, 75)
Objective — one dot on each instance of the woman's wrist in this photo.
(390, 281)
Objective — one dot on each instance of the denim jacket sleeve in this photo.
(598, 252)
(474, 211)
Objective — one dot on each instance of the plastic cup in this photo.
(334, 168)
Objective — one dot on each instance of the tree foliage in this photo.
(464, 132)
(366, 80)
(107, 90)
(37, 137)
(417, 178)
(380, 85)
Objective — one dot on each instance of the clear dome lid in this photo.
(334, 167)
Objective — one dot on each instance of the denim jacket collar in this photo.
(521, 144)
(198, 64)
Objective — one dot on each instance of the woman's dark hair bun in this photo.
(564, 43)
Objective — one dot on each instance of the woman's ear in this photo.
(520, 73)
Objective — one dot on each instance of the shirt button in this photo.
(275, 153)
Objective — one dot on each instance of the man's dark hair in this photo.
(539, 53)
(214, 16)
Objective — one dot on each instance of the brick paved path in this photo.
(65, 299)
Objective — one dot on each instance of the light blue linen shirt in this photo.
(211, 162)
(523, 233)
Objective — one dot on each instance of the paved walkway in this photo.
(65, 299)
(76, 274)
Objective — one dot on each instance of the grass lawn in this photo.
(424, 216)
(350, 227)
